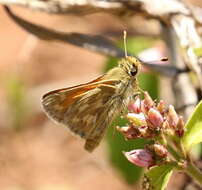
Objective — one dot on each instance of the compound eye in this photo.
(133, 71)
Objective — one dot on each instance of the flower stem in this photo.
(173, 152)
(194, 172)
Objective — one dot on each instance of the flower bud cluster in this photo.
(151, 120)
(148, 119)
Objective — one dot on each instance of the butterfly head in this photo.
(130, 65)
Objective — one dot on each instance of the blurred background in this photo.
(37, 154)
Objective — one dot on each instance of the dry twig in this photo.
(96, 43)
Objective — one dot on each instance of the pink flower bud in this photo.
(155, 117)
(148, 102)
(136, 106)
(140, 157)
(161, 106)
(172, 117)
(137, 119)
(129, 132)
(146, 132)
(167, 129)
(165, 125)
(180, 127)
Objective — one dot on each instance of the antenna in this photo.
(124, 40)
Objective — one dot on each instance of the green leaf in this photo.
(193, 134)
(196, 151)
(157, 177)
(17, 101)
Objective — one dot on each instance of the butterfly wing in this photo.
(85, 109)
(111, 108)
(57, 102)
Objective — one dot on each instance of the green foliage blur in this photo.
(17, 104)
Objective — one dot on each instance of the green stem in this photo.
(194, 172)
(182, 150)
(173, 152)
(166, 139)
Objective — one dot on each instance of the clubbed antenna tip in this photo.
(164, 59)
